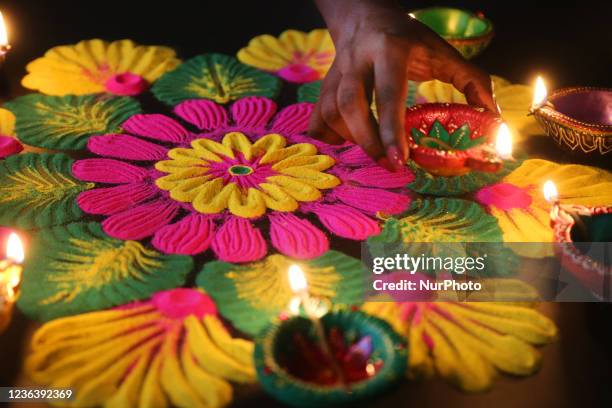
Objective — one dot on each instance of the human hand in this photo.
(378, 49)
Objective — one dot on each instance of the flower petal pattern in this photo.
(468, 343)
(295, 56)
(77, 268)
(218, 77)
(92, 66)
(38, 190)
(253, 295)
(171, 350)
(67, 122)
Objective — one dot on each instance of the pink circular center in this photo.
(504, 196)
(127, 84)
(299, 73)
(180, 303)
(9, 146)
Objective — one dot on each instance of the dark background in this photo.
(568, 44)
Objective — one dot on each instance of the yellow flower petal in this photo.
(213, 197)
(312, 177)
(317, 162)
(210, 150)
(299, 149)
(268, 144)
(7, 122)
(278, 199)
(249, 205)
(295, 188)
(238, 142)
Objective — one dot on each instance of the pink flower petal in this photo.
(202, 113)
(108, 171)
(182, 302)
(372, 200)
(9, 146)
(344, 221)
(190, 236)
(238, 241)
(505, 196)
(140, 222)
(296, 237)
(376, 176)
(253, 111)
(111, 200)
(156, 126)
(125, 147)
(293, 119)
(356, 156)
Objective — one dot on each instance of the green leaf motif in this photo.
(309, 92)
(446, 227)
(253, 295)
(77, 268)
(67, 122)
(214, 76)
(427, 183)
(38, 190)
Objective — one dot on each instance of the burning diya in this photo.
(579, 119)
(357, 357)
(456, 144)
(577, 229)
(470, 33)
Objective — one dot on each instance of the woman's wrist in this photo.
(344, 17)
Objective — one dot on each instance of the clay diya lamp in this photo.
(362, 357)
(579, 119)
(470, 33)
(453, 139)
(576, 230)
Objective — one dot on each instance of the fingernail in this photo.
(384, 162)
(393, 154)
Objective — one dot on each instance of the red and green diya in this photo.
(362, 357)
(577, 229)
(451, 148)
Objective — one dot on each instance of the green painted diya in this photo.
(468, 32)
(579, 119)
(362, 357)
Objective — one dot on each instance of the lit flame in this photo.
(297, 279)
(539, 93)
(550, 191)
(14, 248)
(411, 15)
(503, 143)
(3, 33)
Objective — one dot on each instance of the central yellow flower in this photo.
(243, 177)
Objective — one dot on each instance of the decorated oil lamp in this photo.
(470, 33)
(579, 119)
(455, 139)
(326, 357)
(10, 278)
(573, 226)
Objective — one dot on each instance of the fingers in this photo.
(474, 83)
(390, 96)
(353, 100)
(326, 123)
